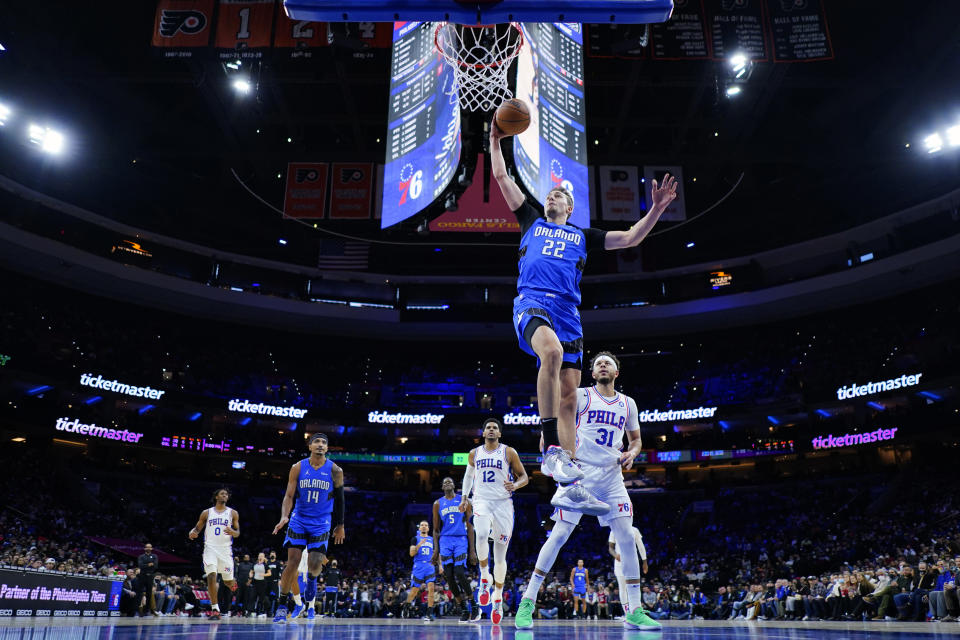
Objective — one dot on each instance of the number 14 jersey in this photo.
(601, 423)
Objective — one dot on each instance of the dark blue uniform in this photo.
(453, 532)
(310, 521)
(423, 568)
(551, 263)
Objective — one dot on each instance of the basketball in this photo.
(513, 116)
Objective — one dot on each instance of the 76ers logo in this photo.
(623, 507)
(410, 183)
(556, 176)
(189, 22)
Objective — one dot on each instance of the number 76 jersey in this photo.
(601, 423)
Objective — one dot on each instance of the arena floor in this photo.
(242, 629)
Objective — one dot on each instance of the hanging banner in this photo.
(737, 26)
(683, 36)
(620, 193)
(244, 28)
(677, 211)
(625, 41)
(306, 194)
(181, 27)
(298, 39)
(350, 190)
(799, 30)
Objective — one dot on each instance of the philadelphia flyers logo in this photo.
(729, 5)
(306, 175)
(351, 175)
(189, 22)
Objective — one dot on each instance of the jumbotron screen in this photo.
(553, 150)
(423, 134)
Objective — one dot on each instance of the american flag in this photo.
(337, 254)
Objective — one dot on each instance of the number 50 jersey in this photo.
(601, 423)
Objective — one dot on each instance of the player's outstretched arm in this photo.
(339, 506)
(520, 478)
(288, 498)
(511, 192)
(201, 523)
(662, 195)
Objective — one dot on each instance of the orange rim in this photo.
(505, 60)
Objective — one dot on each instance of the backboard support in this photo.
(475, 13)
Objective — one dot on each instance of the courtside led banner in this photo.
(382, 417)
(52, 594)
(75, 426)
(851, 439)
(97, 382)
(680, 414)
(859, 390)
(245, 406)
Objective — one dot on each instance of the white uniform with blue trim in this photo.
(490, 498)
(601, 425)
(218, 544)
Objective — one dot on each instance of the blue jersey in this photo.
(314, 492)
(451, 520)
(579, 579)
(553, 256)
(424, 552)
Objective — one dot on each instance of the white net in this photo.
(480, 57)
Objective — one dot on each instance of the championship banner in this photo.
(306, 193)
(684, 35)
(244, 28)
(134, 548)
(735, 26)
(473, 214)
(298, 39)
(677, 211)
(182, 26)
(799, 30)
(52, 594)
(350, 190)
(620, 193)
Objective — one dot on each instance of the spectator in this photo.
(129, 600)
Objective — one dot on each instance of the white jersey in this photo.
(601, 423)
(492, 471)
(215, 535)
(637, 540)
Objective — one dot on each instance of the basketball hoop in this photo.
(480, 57)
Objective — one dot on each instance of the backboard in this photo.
(481, 12)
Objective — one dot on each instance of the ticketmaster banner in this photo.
(51, 594)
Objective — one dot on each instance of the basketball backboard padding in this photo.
(589, 11)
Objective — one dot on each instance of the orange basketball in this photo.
(513, 116)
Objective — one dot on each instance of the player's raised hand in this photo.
(339, 534)
(495, 132)
(464, 503)
(627, 458)
(664, 193)
(280, 525)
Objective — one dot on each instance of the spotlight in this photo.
(5, 112)
(739, 64)
(933, 143)
(235, 64)
(732, 91)
(282, 241)
(242, 86)
(450, 204)
(953, 134)
(47, 139)
(691, 245)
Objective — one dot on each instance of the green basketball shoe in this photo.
(637, 619)
(524, 619)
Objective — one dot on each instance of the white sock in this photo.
(635, 595)
(497, 593)
(296, 600)
(485, 574)
(216, 607)
(312, 603)
(533, 587)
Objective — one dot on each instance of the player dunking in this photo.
(220, 525)
(453, 544)
(553, 254)
(579, 581)
(316, 484)
(603, 415)
(494, 472)
(422, 550)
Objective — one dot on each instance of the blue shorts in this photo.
(580, 594)
(312, 535)
(422, 574)
(453, 549)
(562, 316)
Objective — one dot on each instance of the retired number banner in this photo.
(182, 26)
(306, 194)
(244, 28)
(350, 190)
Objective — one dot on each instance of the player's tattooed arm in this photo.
(520, 478)
(339, 508)
(288, 498)
(201, 523)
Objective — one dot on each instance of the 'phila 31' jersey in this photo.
(601, 423)
(215, 534)
(492, 471)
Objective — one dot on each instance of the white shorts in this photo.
(606, 485)
(500, 513)
(218, 560)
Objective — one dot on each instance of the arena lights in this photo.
(739, 64)
(49, 140)
(5, 113)
(733, 91)
(953, 135)
(933, 142)
(242, 86)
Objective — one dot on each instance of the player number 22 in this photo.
(606, 437)
(553, 248)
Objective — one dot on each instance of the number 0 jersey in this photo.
(215, 534)
(492, 471)
(553, 256)
(601, 423)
